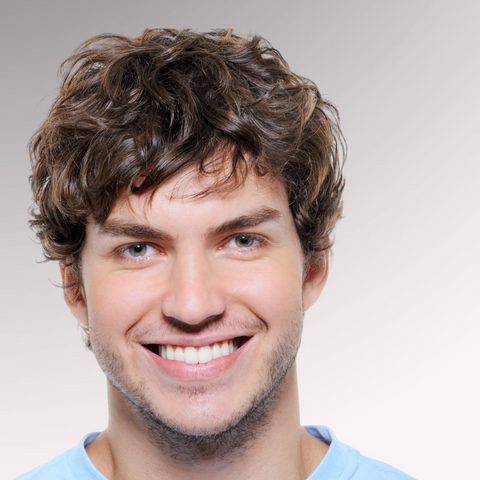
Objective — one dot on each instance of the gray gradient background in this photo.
(390, 353)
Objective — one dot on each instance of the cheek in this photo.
(273, 292)
(117, 300)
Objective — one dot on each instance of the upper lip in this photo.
(193, 341)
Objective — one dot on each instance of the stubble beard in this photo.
(227, 442)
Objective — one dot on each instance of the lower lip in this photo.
(200, 371)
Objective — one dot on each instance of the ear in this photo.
(74, 296)
(315, 278)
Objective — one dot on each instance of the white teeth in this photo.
(204, 354)
(216, 352)
(224, 348)
(196, 355)
(191, 355)
(179, 355)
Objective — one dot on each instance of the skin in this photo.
(195, 282)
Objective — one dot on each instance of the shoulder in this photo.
(57, 468)
(345, 463)
(73, 464)
(373, 469)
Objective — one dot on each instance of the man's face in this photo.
(182, 275)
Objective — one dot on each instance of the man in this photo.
(188, 184)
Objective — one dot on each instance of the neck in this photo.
(282, 449)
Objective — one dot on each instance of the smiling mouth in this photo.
(195, 355)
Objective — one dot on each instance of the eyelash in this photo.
(120, 252)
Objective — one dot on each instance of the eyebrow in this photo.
(253, 219)
(118, 228)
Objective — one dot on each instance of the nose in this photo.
(194, 291)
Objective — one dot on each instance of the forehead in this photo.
(187, 195)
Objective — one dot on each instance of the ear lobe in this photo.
(315, 279)
(74, 296)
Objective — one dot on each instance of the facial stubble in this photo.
(227, 442)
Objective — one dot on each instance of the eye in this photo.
(243, 241)
(139, 250)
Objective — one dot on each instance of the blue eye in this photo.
(244, 241)
(138, 250)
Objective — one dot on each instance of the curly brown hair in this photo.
(134, 112)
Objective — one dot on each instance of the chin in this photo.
(202, 421)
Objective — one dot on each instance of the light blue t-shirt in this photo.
(340, 463)
(345, 463)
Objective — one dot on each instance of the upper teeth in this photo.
(197, 354)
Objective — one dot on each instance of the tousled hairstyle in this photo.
(134, 112)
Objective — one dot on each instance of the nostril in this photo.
(191, 305)
(193, 327)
